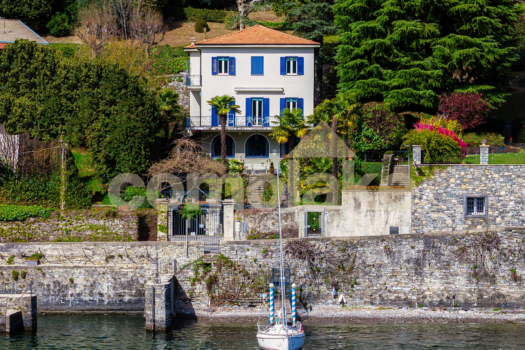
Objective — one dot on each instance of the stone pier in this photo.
(158, 310)
(18, 312)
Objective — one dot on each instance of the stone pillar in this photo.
(416, 154)
(21, 312)
(301, 216)
(158, 309)
(229, 219)
(484, 154)
(162, 219)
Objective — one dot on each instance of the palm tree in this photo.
(341, 112)
(224, 104)
(169, 105)
(289, 126)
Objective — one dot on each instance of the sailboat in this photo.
(279, 335)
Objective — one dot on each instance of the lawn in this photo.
(83, 162)
(500, 158)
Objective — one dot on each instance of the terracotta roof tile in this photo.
(256, 35)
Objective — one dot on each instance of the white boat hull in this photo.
(281, 342)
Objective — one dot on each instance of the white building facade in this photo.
(265, 71)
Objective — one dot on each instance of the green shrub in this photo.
(193, 14)
(68, 50)
(169, 60)
(163, 228)
(371, 168)
(231, 21)
(190, 211)
(14, 275)
(59, 25)
(11, 260)
(474, 139)
(35, 256)
(276, 25)
(20, 212)
(200, 25)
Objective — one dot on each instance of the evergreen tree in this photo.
(407, 52)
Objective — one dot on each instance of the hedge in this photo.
(276, 25)
(193, 14)
(20, 212)
(169, 60)
(371, 168)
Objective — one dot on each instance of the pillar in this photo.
(229, 218)
(158, 309)
(484, 154)
(162, 219)
(416, 154)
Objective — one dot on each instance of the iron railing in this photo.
(231, 121)
(193, 80)
(211, 243)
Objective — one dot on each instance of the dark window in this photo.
(257, 146)
(224, 63)
(476, 206)
(394, 230)
(216, 147)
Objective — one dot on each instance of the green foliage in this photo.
(14, 275)
(371, 168)
(11, 260)
(200, 25)
(60, 25)
(313, 20)
(20, 213)
(474, 139)
(193, 14)
(190, 211)
(34, 13)
(407, 53)
(23, 274)
(91, 103)
(168, 60)
(163, 228)
(35, 256)
(434, 144)
(68, 50)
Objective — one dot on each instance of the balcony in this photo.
(194, 82)
(233, 123)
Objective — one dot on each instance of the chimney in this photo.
(192, 40)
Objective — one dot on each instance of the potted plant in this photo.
(34, 259)
(272, 168)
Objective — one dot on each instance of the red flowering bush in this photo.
(468, 108)
(441, 130)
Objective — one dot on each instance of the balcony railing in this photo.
(231, 121)
(193, 80)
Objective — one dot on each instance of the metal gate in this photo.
(314, 224)
(206, 227)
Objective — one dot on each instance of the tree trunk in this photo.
(242, 13)
(335, 191)
(223, 139)
(291, 194)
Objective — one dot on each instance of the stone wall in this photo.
(438, 203)
(81, 225)
(266, 221)
(441, 269)
(91, 276)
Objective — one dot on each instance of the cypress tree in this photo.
(408, 52)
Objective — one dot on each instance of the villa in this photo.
(266, 71)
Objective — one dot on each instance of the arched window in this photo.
(257, 146)
(216, 147)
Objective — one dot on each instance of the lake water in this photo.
(127, 332)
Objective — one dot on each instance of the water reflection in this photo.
(127, 332)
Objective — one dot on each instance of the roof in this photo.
(256, 35)
(13, 29)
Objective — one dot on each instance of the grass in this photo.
(500, 158)
(84, 164)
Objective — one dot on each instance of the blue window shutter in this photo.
(214, 65)
(254, 65)
(261, 65)
(266, 107)
(248, 107)
(231, 116)
(283, 105)
(300, 65)
(214, 117)
(232, 65)
(300, 104)
(283, 65)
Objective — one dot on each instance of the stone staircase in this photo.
(255, 194)
(400, 176)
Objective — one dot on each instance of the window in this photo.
(291, 103)
(257, 146)
(291, 65)
(224, 63)
(216, 147)
(257, 111)
(475, 206)
(257, 65)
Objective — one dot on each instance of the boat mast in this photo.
(283, 308)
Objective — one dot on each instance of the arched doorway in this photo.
(216, 147)
(257, 146)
